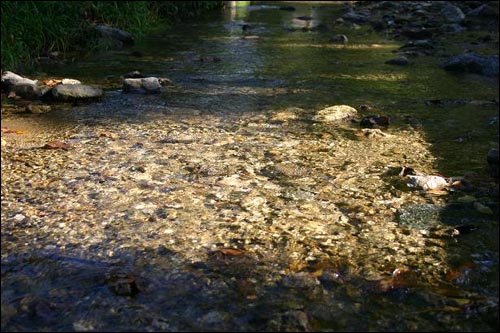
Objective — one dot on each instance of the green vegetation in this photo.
(35, 28)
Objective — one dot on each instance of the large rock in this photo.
(473, 63)
(336, 112)
(148, 85)
(116, 34)
(74, 92)
(10, 79)
(493, 162)
(452, 14)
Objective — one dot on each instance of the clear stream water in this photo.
(232, 72)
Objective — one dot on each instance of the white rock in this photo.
(427, 182)
(70, 81)
(336, 112)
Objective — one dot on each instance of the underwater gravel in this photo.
(140, 210)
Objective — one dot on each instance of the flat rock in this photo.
(335, 113)
(473, 63)
(149, 85)
(72, 92)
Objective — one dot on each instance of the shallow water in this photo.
(129, 229)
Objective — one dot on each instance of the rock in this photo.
(149, 85)
(70, 81)
(73, 92)
(334, 113)
(340, 38)
(17, 85)
(354, 17)
(417, 33)
(373, 133)
(399, 61)
(452, 28)
(473, 63)
(420, 43)
(291, 321)
(492, 159)
(10, 79)
(372, 121)
(287, 8)
(426, 182)
(482, 208)
(452, 14)
(27, 91)
(117, 34)
(38, 108)
(484, 10)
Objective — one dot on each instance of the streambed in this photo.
(222, 205)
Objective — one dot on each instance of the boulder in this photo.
(493, 162)
(148, 85)
(26, 91)
(334, 113)
(374, 121)
(452, 14)
(399, 61)
(473, 63)
(9, 79)
(74, 92)
(113, 33)
(17, 85)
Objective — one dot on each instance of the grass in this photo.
(31, 29)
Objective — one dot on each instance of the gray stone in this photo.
(473, 63)
(149, 85)
(117, 34)
(452, 14)
(340, 38)
(27, 91)
(73, 92)
(10, 79)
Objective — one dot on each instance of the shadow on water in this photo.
(269, 61)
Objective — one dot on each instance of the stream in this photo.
(223, 204)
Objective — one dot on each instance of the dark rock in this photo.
(421, 43)
(74, 92)
(37, 107)
(27, 91)
(493, 156)
(117, 34)
(136, 54)
(452, 28)
(492, 159)
(372, 121)
(417, 33)
(287, 8)
(355, 17)
(473, 63)
(340, 39)
(10, 79)
(452, 14)
(484, 10)
(400, 61)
